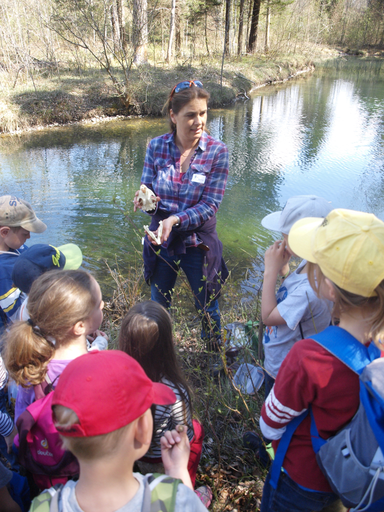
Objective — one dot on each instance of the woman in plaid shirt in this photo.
(187, 170)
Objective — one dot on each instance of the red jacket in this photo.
(309, 375)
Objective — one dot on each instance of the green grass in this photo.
(226, 466)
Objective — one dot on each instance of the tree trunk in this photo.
(115, 28)
(241, 22)
(267, 27)
(227, 26)
(140, 31)
(123, 39)
(177, 27)
(205, 29)
(171, 31)
(254, 26)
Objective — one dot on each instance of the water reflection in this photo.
(322, 135)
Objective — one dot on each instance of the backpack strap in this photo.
(160, 493)
(46, 502)
(55, 501)
(44, 388)
(277, 463)
(346, 348)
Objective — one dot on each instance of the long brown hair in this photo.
(57, 301)
(177, 101)
(146, 335)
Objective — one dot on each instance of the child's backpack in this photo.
(39, 443)
(352, 460)
(159, 495)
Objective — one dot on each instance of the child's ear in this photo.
(79, 328)
(330, 290)
(4, 230)
(144, 428)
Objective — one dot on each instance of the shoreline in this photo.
(71, 100)
(105, 118)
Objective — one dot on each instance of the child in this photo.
(64, 307)
(41, 258)
(17, 219)
(146, 335)
(347, 248)
(37, 260)
(295, 311)
(108, 426)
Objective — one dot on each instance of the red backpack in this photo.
(40, 446)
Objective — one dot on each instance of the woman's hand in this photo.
(138, 203)
(175, 454)
(167, 227)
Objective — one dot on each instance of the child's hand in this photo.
(91, 337)
(9, 439)
(175, 454)
(276, 257)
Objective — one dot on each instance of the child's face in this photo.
(14, 238)
(94, 320)
(287, 248)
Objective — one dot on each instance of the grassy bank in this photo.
(233, 472)
(62, 95)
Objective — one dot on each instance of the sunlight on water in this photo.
(322, 135)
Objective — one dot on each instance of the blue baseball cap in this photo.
(41, 258)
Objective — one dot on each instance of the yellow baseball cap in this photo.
(347, 245)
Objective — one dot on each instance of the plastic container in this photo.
(248, 378)
(235, 335)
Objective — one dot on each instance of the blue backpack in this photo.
(352, 460)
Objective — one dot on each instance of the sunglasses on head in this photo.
(184, 85)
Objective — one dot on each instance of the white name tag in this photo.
(198, 178)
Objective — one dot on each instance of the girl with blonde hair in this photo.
(65, 306)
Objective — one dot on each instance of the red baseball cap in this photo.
(107, 390)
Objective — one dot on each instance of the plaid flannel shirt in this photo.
(194, 196)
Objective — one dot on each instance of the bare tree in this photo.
(171, 31)
(241, 23)
(76, 21)
(116, 34)
(177, 27)
(227, 26)
(140, 31)
(267, 27)
(251, 47)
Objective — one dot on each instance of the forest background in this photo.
(69, 60)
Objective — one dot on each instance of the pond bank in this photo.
(69, 97)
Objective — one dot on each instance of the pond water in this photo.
(319, 135)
